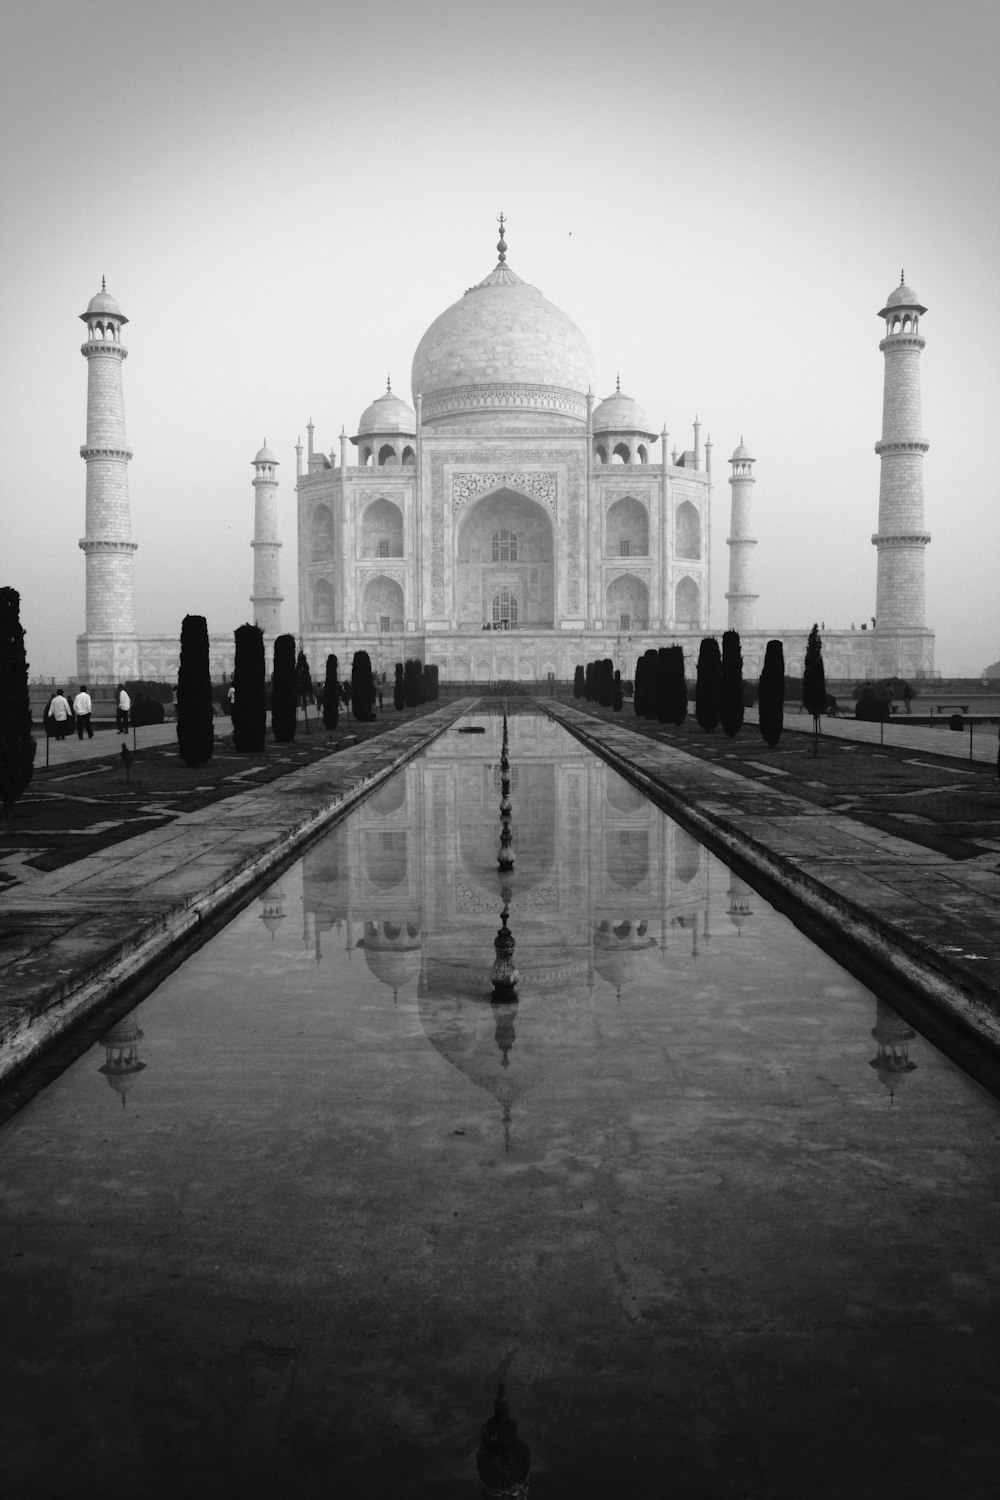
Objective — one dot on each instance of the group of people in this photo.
(60, 714)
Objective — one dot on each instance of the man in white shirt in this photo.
(83, 708)
(123, 710)
(59, 711)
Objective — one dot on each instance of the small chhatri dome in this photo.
(388, 414)
(619, 413)
(103, 304)
(902, 296)
(742, 454)
(265, 456)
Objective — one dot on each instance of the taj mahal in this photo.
(506, 525)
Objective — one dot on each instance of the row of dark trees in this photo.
(720, 693)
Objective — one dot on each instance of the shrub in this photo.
(708, 685)
(284, 690)
(149, 711)
(159, 692)
(17, 747)
(331, 695)
(195, 712)
(731, 702)
(874, 702)
(249, 713)
(771, 693)
(363, 688)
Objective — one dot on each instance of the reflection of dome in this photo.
(893, 1036)
(121, 1049)
(621, 950)
(388, 414)
(502, 334)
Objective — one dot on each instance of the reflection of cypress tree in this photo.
(331, 695)
(283, 690)
(249, 712)
(708, 685)
(195, 712)
(771, 693)
(17, 746)
(731, 706)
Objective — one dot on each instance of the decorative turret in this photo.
(621, 430)
(266, 597)
(741, 542)
(901, 538)
(109, 647)
(386, 432)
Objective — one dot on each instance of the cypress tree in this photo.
(399, 689)
(606, 682)
(676, 686)
(578, 682)
(814, 682)
(363, 688)
(17, 746)
(249, 712)
(411, 682)
(195, 712)
(331, 695)
(617, 695)
(771, 693)
(731, 703)
(661, 686)
(650, 686)
(284, 692)
(708, 685)
(304, 685)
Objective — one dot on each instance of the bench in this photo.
(950, 708)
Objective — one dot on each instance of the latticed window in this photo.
(383, 548)
(504, 611)
(624, 622)
(384, 624)
(505, 546)
(624, 547)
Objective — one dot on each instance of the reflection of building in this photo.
(893, 1036)
(121, 1048)
(272, 909)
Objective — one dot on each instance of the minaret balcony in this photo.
(904, 445)
(120, 453)
(901, 539)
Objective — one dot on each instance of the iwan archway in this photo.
(505, 564)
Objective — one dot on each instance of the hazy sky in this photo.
(284, 197)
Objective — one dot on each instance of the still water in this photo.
(720, 1220)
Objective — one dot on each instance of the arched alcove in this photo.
(626, 529)
(687, 531)
(322, 530)
(687, 602)
(384, 858)
(324, 604)
(627, 599)
(383, 606)
(489, 562)
(382, 530)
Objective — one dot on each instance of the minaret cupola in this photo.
(622, 433)
(387, 431)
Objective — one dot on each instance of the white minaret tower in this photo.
(109, 648)
(901, 538)
(741, 542)
(266, 597)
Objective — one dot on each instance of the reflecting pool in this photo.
(718, 1218)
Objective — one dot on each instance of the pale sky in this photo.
(284, 197)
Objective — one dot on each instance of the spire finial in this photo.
(502, 243)
(902, 277)
(618, 382)
(104, 285)
(388, 384)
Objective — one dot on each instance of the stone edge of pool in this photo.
(959, 997)
(37, 1010)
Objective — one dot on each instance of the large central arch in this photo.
(505, 542)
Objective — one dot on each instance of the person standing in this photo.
(123, 710)
(83, 708)
(60, 710)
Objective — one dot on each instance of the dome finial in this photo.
(388, 384)
(902, 278)
(104, 285)
(502, 244)
(618, 382)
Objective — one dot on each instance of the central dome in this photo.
(502, 346)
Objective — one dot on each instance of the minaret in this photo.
(109, 648)
(266, 597)
(901, 538)
(741, 542)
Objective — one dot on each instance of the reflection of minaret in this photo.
(739, 902)
(503, 1460)
(121, 1048)
(892, 1060)
(273, 912)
